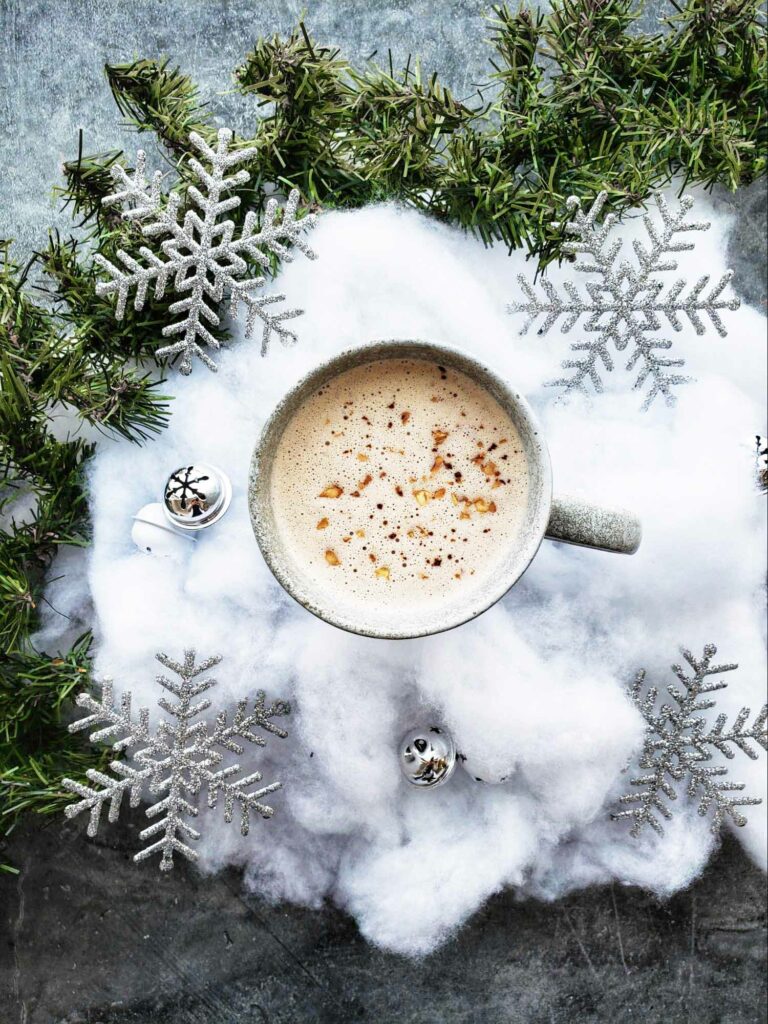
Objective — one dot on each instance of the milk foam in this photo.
(399, 481)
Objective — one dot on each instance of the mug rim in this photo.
(259, 490)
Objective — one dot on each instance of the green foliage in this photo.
(36, 751)
(577, 100)
(49, 373)
(153, 98)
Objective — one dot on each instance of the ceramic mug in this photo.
(565, 519)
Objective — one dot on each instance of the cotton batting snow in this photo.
(536, 686)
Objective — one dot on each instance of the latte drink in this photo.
(399, 482)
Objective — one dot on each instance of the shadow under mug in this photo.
(566, 519)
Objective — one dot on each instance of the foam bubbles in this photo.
(399, 482)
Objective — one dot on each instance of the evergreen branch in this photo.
(614, 110)
(153, 97)
(88, 179)
(36, 752)
(89, 320)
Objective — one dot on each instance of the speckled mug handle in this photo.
(574, 521)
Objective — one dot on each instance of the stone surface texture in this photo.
(183, 949)
(86, 936)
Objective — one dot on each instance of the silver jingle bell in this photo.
(427, 756)
(196, 496)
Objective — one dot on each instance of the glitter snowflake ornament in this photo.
(625, 306)
(679, 744)
(201, 258)
(176, 761)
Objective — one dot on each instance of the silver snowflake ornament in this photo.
(679, 744)
(176, 761)
(201, 258)
(625, 306)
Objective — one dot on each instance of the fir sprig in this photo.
(579, 102)
(36, 752)
(153, 97)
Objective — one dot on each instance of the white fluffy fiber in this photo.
(536, 684)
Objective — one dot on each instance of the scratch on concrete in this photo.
(692, 957)
(276, 938)
(583, 949)
(618, 929)
(17, 926)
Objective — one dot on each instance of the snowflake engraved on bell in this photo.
(196, 496)
(427, 756)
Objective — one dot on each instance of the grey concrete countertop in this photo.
(86, 937)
